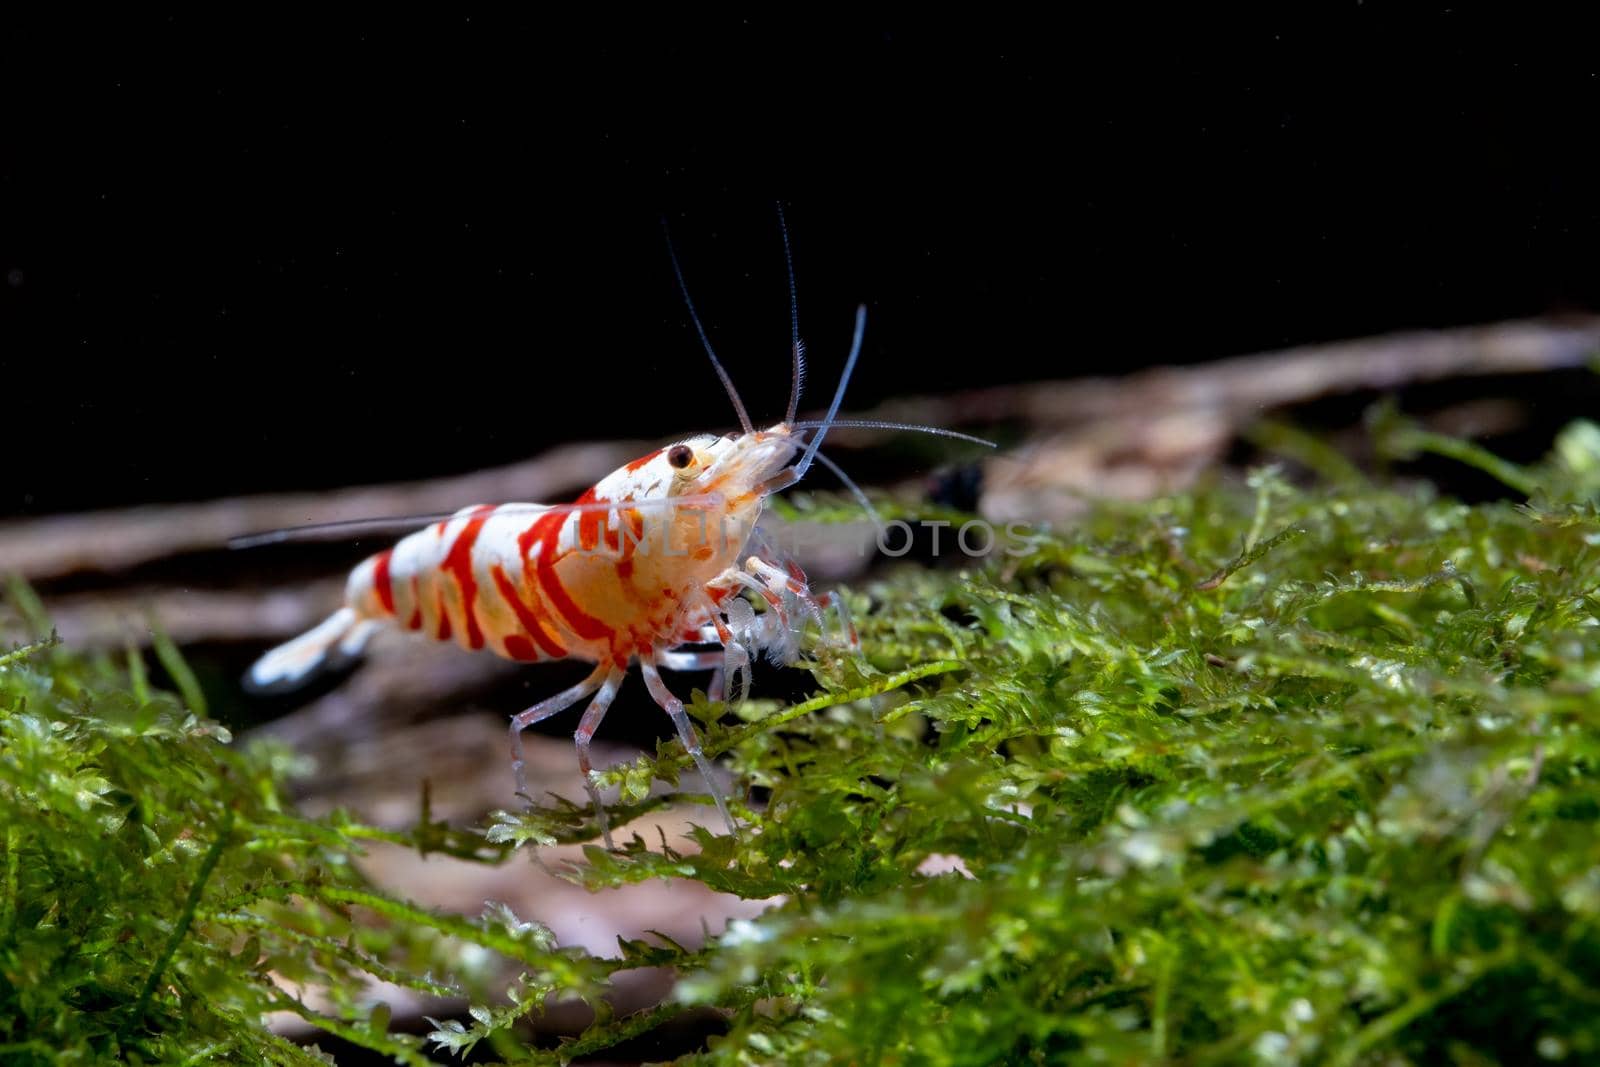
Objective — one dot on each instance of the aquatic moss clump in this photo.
(157, 898)
(1262, 773)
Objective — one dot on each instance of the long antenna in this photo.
(796, 346)
(353, 529)
(880, 424)
(838, 395)
(855, 490)
(683, 287)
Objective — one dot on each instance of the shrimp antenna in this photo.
(796, 346)
(855, 490)
(355, 529)
(880, 424)
(683, 287)
(838, 395)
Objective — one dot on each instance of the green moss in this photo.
(1271, 774)
(152, 881)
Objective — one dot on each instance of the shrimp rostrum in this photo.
(656, 556)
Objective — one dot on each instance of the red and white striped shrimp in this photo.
(651, 558)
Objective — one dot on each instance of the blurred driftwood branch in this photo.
(110, 541)
(1156, 430)
(1246, 385)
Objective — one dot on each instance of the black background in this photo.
(304, 251)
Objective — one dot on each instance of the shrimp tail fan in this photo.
(334, 641)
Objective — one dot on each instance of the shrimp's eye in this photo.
(680, 456)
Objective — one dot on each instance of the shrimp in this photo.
(653, 557)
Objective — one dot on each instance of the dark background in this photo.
(303, 251)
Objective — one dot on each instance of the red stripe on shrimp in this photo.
(547, 524)
(544, 533)
(530, 618)
(458, 564)
(643, 461)
(595, 526)
(589, 523)
(520, 648)
(583, 624)
(635, 524)
(380, 581)
(443, 632)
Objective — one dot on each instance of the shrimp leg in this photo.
(585, 733)
(777, 582)
(712, 661)
(691, 741)
(543, 710)
(773, 583)
(690, 661)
